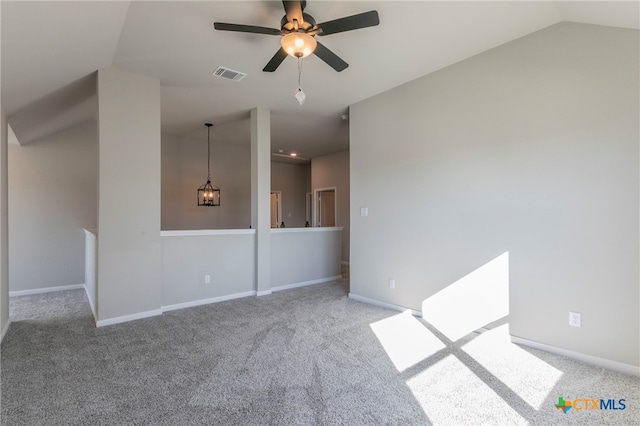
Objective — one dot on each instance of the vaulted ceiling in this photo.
(51, 49)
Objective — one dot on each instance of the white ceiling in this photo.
(48, 46)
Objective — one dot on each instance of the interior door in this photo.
(276, 210)
(326, 208)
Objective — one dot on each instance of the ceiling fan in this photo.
(298, 31)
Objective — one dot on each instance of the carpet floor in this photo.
(308, 356)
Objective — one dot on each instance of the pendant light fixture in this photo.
(208, 195)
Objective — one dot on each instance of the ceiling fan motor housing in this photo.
(308, 24)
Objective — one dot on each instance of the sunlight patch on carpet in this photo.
(527, 375)
(451, 394)
(405, 340)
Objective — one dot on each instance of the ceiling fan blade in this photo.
(246, 28)
(353, 22)
(330, 58)
(275, 62)
(293, 10)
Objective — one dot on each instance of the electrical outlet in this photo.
(364, 211)
(392, 283)
(575, 319)
(207, 279)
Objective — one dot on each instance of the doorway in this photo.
(325, 207)
(276, 208)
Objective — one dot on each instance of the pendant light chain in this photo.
(208, 153)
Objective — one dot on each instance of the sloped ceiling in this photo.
(51, 49)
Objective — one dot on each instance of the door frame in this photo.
(309, 208)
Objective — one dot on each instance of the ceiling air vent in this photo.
(229, 74)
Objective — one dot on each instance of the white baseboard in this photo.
(599, 362)
(384, 304)
(4, 330)
(263, 293)
(31, 292)
(127, 318)
(306, 283)
(344, 262)
(207, 301)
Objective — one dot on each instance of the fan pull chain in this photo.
(299, 72)
(300, 95)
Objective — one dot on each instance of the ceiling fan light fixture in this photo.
(298, 44)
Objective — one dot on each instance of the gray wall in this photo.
(294, 181)
(184, 169)
(227, 259)
(260, 195)
(4, 227)
(333, 170)
(304, 256)
(52, 198)
(90, 269)
(531, 149)
(298, 256)
(129, 249)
